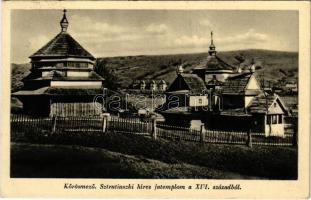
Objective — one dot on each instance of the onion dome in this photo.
(212, 48)
(64, 22)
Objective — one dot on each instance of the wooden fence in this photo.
(129, 125)
(21, 124)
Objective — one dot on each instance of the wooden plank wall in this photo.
(64, 109)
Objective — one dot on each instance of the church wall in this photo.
(95, 84)
(220, 77)
(177, 100)
(77, 74)
(247, 100)
(198, 101)
(258, 123)
(64, 109)
(233, 101)
(252, 84)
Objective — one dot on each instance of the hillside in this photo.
(274, 65)
(121, 71)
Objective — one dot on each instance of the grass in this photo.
(58, 161)
(116, 155)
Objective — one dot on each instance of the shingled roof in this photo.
(196, 84)
(261, 103)
(237, 84)
(215, 63)
(63, 45)
(187, 83)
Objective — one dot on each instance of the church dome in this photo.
(63, 45)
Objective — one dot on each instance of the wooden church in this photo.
(227, 96)
(62, 81)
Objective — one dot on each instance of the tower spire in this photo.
(64, 22)
(212, 48)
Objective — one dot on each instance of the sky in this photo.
(107, 33)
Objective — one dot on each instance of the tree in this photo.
(112, 81)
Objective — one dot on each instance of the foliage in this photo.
(111, 78)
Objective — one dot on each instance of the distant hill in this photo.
(274, 65)
(122, 71)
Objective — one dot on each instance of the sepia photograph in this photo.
(155, 94)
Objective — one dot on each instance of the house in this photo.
(153, 86)
(264, 114)
(162, 86)
(62, 81)
(142, 85)
(149, 85)
(268, 114)
(291, 86)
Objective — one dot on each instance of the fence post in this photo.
(249, 138)
(54, 119)
(105, 121)
(202, 135)
(154, 129)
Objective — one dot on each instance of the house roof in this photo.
(196, 84)
(62, 45)
(262, 103)
(237, 84)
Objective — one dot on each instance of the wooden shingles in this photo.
(262, 103)
(63, 45)
(236, 84)
(215, 63)
(196, 84)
